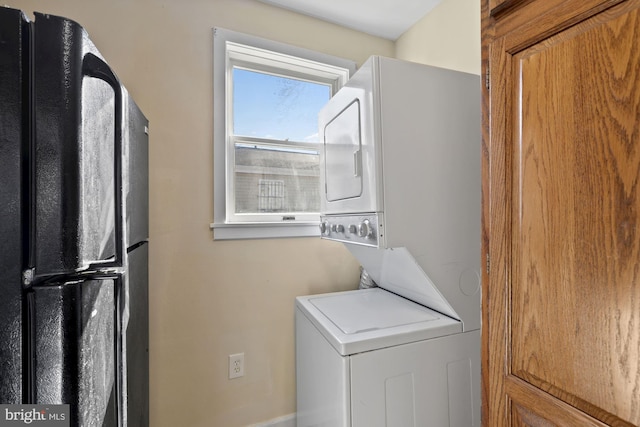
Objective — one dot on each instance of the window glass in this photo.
(273, 175)
(276, 179)
(276, 107)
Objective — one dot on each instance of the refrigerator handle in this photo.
(93, 66)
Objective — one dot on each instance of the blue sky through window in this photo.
(274, 107)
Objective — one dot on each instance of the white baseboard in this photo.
(285, 421)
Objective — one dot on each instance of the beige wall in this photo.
(448, 37)
(210, 299)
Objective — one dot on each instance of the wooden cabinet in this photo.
(561, 213)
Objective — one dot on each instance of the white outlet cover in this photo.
(236, 365)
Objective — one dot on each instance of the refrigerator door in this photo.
(137, 336)
(136, 154)
(78, 152)
(13, 132)
(76, 348)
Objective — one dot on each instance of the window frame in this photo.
(233, 49)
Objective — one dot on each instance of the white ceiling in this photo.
(383, 18)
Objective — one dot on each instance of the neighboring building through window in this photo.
(267, 96)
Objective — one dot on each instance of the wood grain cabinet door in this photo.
(562, 332)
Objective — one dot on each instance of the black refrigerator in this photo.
(73, 227)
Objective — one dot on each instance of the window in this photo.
(267, 96)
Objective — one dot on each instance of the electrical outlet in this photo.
(236, 365)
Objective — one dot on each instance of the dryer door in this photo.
(350, 159)
(343, 154)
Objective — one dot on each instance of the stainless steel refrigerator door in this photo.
(137, 337)
(13, 133)
(76, 344)
(78, 152)
(136, 179)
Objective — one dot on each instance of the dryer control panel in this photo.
(365, 229)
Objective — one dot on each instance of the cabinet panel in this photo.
(523, 417)
(576, 258)
(563, 298)
(531, 406)
(528, 21)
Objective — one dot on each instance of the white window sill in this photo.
(264, 230)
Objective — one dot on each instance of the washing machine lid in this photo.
(366, 311)
(370, 319)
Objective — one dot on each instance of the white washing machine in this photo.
(371, 358)
(400, 173)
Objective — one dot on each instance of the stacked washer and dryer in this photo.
(401, 178)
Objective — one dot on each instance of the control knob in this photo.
(324, 228)
(365, 229)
